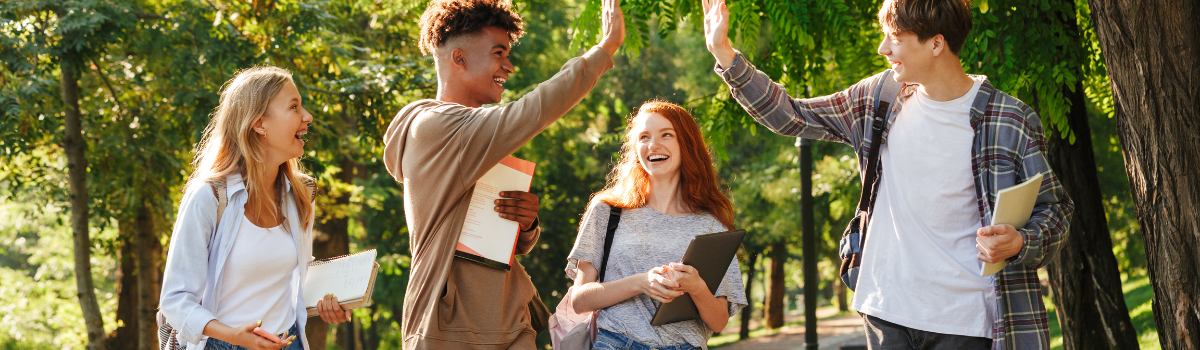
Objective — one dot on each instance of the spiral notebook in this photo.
(350, 278)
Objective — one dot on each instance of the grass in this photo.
(1138, 298)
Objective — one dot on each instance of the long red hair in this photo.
(629, 185)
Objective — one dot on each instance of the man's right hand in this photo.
(716, 32)
(612, 24)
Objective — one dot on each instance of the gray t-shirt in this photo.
(646, 238)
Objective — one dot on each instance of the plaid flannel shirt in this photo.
(1007, 149)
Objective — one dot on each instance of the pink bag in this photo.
(574, 331)
(570, 330)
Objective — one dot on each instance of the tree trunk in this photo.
(841, 297)
(1150, 50)
(148, 256)
(355, 327)
(125, 336)
(1085, 278)
(330, 238)
(745, 326)
(77, 177)
(776, 289)
(371, 341)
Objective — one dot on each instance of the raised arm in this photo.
(490, 134)
(827, 118)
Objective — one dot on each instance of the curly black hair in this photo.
(446, 19)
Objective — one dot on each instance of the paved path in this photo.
(831, 335)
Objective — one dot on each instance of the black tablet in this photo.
(710, 254)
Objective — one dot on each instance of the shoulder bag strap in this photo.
(614, 217)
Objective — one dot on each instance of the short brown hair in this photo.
(927, 18)
(446, 19)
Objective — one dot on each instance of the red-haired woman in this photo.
(667, 189)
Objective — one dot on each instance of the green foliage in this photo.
(150, 71)
(37, 278)
(1050, 57)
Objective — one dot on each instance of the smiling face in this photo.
(657, 145)
(483, 66)
(908, 56)
(283, 125)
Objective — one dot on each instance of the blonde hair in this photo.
(229, 144)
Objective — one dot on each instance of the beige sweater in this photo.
(439, 150)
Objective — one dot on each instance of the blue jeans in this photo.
(606, 340)
(217, 344)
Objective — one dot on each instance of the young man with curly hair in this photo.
(950, 142)
(440, 147)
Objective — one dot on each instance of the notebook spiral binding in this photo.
(323, 261)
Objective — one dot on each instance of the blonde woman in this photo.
(237, 263)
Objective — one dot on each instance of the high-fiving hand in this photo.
(716, 32)
(612, 24)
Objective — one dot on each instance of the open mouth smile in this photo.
(655, 158)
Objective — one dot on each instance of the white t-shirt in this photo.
(259, 279)
(920, 267)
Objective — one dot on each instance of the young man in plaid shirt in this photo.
(950, 144)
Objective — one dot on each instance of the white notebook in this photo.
(1014, 205)
(486, 238)
(350, 278)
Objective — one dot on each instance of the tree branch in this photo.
(104, 78)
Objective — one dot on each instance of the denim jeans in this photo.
(217, 344)
(606, 340)
(884, 335)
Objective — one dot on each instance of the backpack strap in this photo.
(614, 217)
(885, 95)
(219, 190)
(312, 187)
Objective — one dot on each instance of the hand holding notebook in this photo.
(1014, 205)
(486, 238)
(351, 278)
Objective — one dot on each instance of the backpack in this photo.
(850, 247)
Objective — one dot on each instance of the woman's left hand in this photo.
(688, 278)
(331, 312)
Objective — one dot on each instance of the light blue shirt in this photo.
(198, 251)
